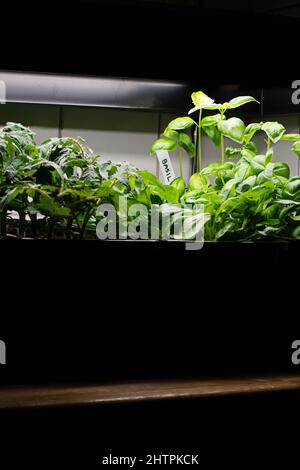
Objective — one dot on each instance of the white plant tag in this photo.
(166, 166)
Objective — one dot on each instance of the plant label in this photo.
(166, 166)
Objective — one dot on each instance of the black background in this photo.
(97, 311)
(141, 40)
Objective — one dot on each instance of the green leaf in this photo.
(287, 202)
(231, 204)
(180, 185)
(213, 133)
(232, 152)
(244, 170)
(282, 169)
(258, 164)
(270, 155)
(198, 182)
(240, 101)
(296, 148)
(181, 123)
(252, 147)
(171, 194)
(261, 160)
(267, 174)
(293, 186)
(198, 97)
(247, 155)
(291, 137)
(48, 206)
(47, 163)
(150, 179)
(258, 193)
(171, 134)
(269, 231)
(186, 143)
(225, 229)
(228, 189)
(274, 130)
(202, 101)
(163, 144)
(209, 125)
(217, 168)
(211, 120)
(208, 107)
(233, 128)
(246, 185)
(10, 196)
(197, 197)
(251, 130)
(296, 233)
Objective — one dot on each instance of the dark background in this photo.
(192, 40)
(98, 311)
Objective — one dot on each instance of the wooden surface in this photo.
(58, 396)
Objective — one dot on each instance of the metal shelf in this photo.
(37, 88)
(133, 93)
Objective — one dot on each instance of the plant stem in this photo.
(268, 144)
(200, 143)
(223, 149)
(180, 161)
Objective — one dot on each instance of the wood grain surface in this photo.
(78, 395)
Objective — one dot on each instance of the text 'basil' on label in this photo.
(166, 166)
